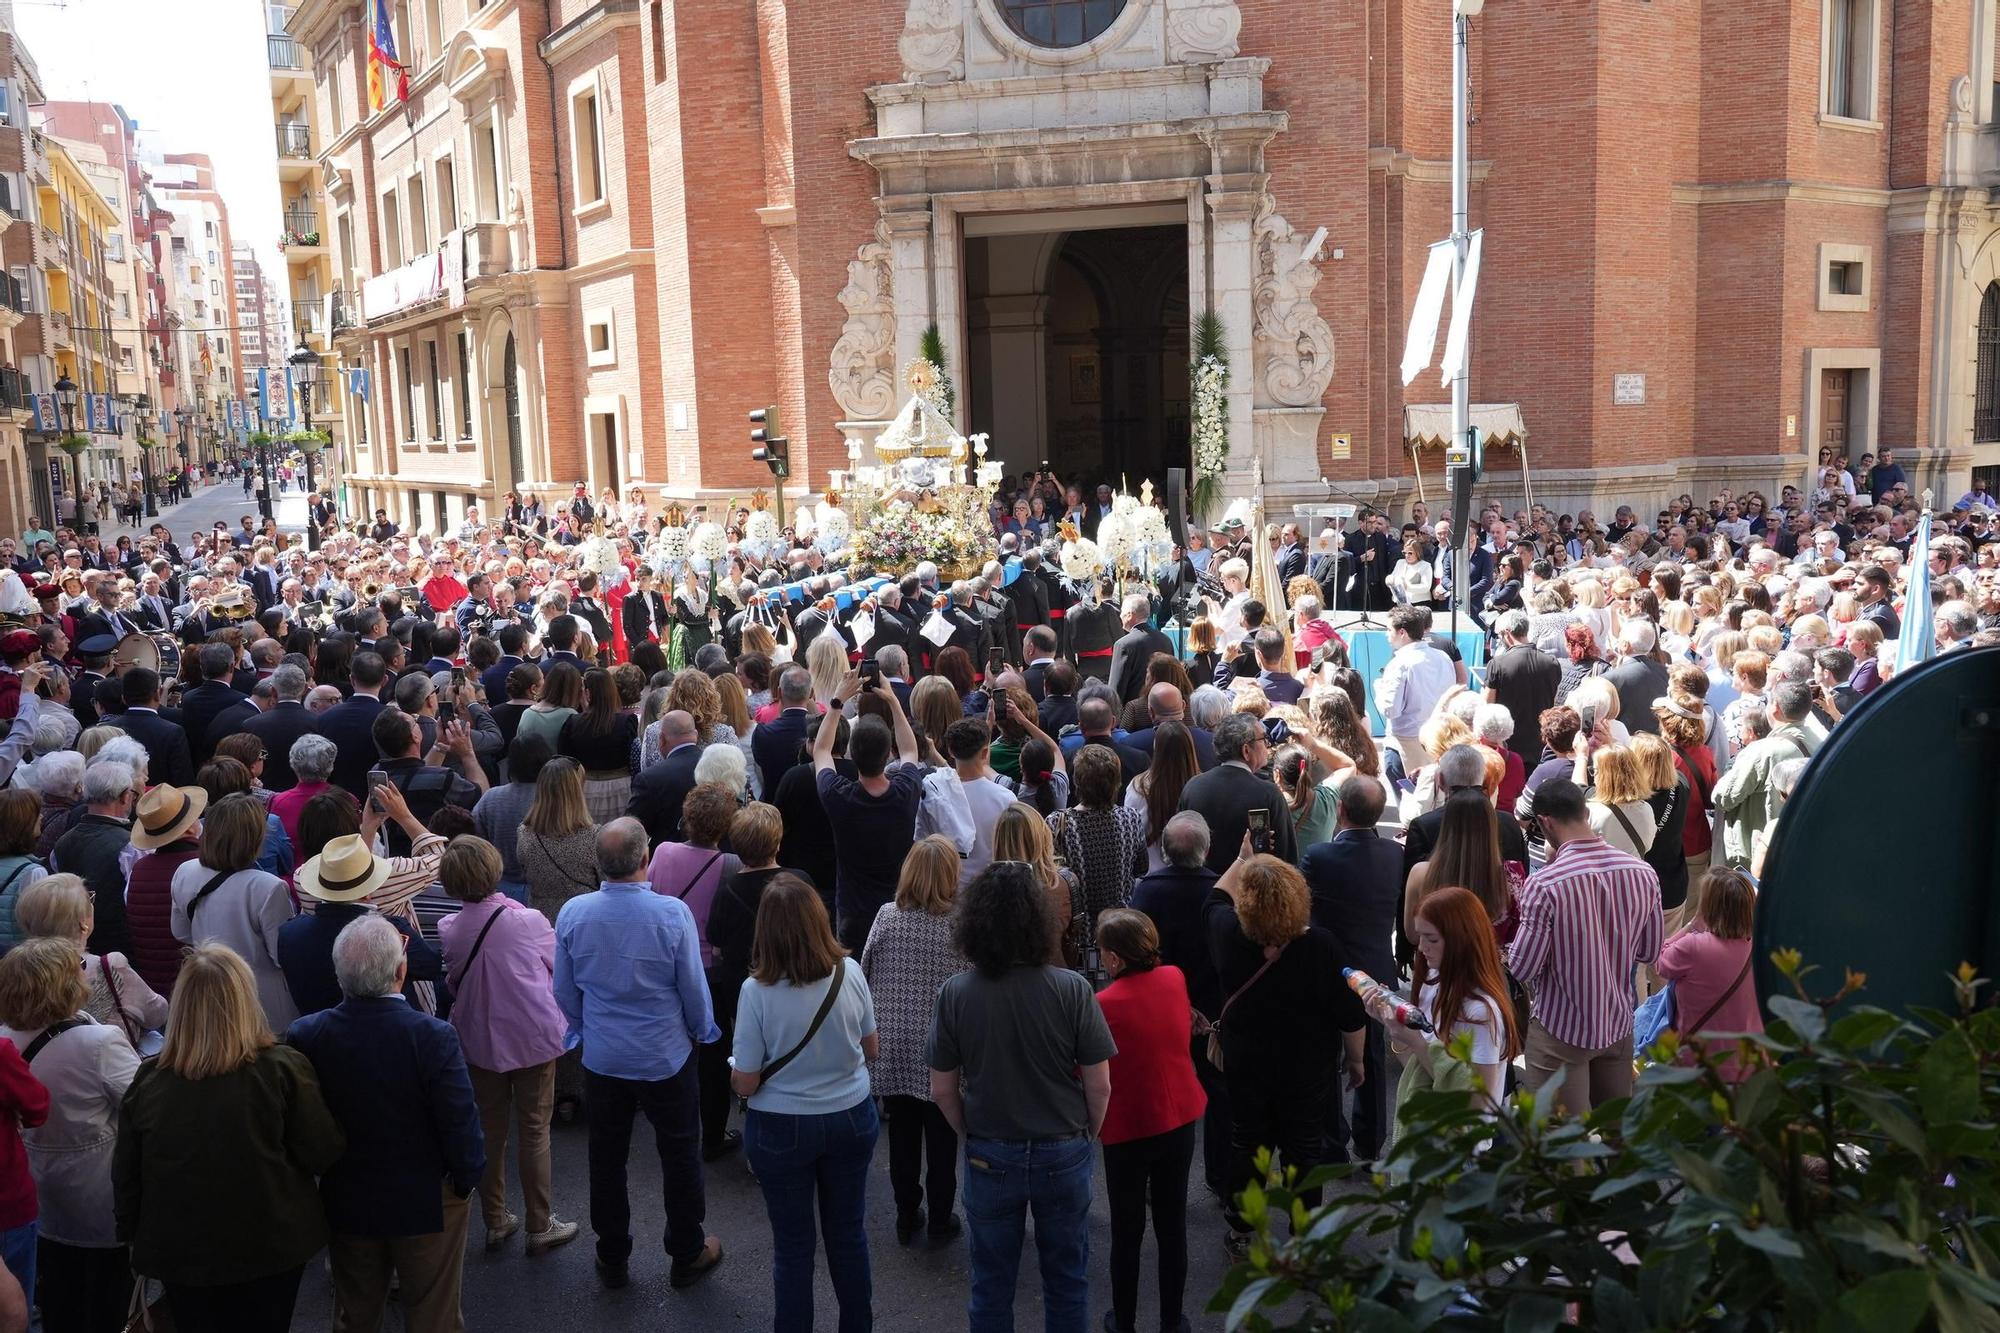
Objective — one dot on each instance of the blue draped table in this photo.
(1369, 650)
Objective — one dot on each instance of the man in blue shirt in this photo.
(629, 980)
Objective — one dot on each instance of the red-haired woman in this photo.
(1461, 988)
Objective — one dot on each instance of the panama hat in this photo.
(343, 872)
(165, 814)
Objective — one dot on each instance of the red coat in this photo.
(1153, 1087)
(24, 1104)
(149, 914)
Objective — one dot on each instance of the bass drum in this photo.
(159, 653)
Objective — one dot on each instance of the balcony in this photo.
(488, 252)
(284, 52)
(346, 311)
(294, 149)
(60, 330)
(301, 234)
(14, 390)
(39, 171)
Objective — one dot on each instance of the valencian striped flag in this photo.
(382, 62)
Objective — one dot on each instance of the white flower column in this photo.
(1232, 208)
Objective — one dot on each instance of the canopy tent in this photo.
(1428, 425)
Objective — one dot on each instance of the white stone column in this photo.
(910, 268)
(1231, 275)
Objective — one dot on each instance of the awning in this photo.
(1428, 425)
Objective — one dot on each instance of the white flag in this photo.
(1422, 341)
(1455, 350)
(937, 629)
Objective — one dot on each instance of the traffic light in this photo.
(773, 450)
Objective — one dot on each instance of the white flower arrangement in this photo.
(1124, 505)
(1209, 413)
(710, 543)
(1115, 538)
(760, 533)
(834, 530)
(598, 556)
(1151, 534)
(1081, 559)
(670, 549)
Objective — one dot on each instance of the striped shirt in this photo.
(1587, 917)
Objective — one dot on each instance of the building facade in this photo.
(24, 364)
(1717, 238)
(308, 283)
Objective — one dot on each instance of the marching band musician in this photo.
(50, 597)
(94, 654)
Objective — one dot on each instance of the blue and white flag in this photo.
(1918, 641)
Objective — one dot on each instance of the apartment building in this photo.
(308, 283)
(25, 365)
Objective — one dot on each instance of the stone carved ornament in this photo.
(863, 375)
(933, 40)
(1199, 30)
(1294, 346)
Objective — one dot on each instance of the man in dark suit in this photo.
(1290, 557)
(891, 630)
(562, 644)
(1523, 679)
(1371, 557)
(513, 639)
(95, 655)
(1227, 793)
(1095, 721)
(1027, 597)
(395, 1080)
(200, 705)
(1176, 898)
(775, 744)
(168, 758)
(285, 721)
(1133, 652)
(350, 724)
(1165, 704)
(645, 611)
(657, 792)
(1038, 645)
(1058, 708)
(231, 719)
(1273, 670)
(1356, 880)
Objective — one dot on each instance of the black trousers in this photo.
(82, 1289)
(262, 1305)
(673, 1106)
(1137, 1172)
(712, 1068)
(1215, 1168)
(921, 1142)
(1276, 1103)
(1369, 1126)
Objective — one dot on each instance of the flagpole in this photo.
(1461, 382)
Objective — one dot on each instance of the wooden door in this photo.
(1834, 396)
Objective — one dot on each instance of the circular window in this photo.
(1060, 23)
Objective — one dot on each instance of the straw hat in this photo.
(165, 814)
(344, 872)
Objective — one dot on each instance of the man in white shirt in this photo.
(1407, 692)
(968, 742)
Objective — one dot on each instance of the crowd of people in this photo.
(412, 844)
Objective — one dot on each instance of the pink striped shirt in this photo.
(1586, 918)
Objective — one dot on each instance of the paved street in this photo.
(915, 1288)
(225, 502)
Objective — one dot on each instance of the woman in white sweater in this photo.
(1412, 580)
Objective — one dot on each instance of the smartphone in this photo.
(447, 711)
(377, 777)
(1260, 831)
(1588, 716)
(995, 662)
(1407, 786)
(1000, 706)
(871, 671)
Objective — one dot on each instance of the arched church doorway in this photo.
(1078, 348)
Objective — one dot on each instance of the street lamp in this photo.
(305, 365)
(66, 400)
(185, 417)
(142, 408)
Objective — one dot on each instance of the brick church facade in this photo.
(1718, 236)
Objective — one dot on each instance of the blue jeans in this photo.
(798, 1157)
(1003, 1181)
(17, 1251)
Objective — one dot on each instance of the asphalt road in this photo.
(916, 1288)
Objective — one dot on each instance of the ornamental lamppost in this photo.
(305, 366)
(142, 408)
(185, 417)
(71, 443)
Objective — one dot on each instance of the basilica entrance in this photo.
(1077, 344)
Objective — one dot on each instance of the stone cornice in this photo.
(1780, 191)
(890, 94)
(1058, 141)
(602, 17)
(1396, 162)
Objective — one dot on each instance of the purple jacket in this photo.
(504, 1004)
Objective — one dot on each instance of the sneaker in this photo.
(496, 1236)
(697, 1268)
(559, 1233)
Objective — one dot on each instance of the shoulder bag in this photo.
(1215, 1028)
(206, 889)
(772, 1070)
(19, 870)
(1625, 822)
(485, 930)
(49, 1034)
(695, 878)
(1734, 986)
(1693, 771)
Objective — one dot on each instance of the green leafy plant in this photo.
(1845, 1183)
(73, 444)
(931, 348)
(258, 438)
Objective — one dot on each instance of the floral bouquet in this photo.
(902, 535)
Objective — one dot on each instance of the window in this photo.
(125, 304)
(1843, 277)
(6, 106)
(437, 394)
(392, 235)
(464, 386)
(1986, 379)
(420, 227)
(487, 176)
(409, 394)
(406, 36)
(1060, 22)
(447, 195)
(599, 349)
(344, 229)
(337, 96)
(433, 29)
(586, 146)
(1847, 78)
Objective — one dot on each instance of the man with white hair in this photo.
(1640, 677)
(1746, 796)
(1175, 897)
(629, 979)
(91, 849)
(395, 1079)
(1133, 652)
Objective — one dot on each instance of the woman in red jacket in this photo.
(1155, 1112)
